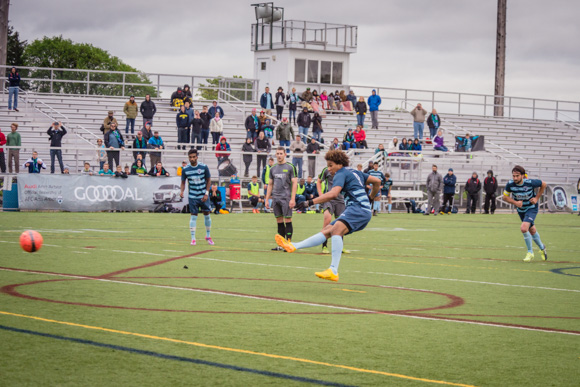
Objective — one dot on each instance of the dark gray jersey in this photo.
(326, 178)
(282, 175)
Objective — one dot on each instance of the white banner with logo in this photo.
(562, 197)
(79, 193)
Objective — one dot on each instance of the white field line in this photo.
(292, 302)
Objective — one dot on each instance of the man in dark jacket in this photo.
(490, 188)
(148, 109)
(205, 120)
(304, 121)
(263, 147)
(216, 108)
(434, 121)
(139, 144)
(182, 121)
(472, 187)
(449, 182)
(252, 125)
(55, 135)
(434, 186)
(312, 149)
(114, 141)
(267, 102)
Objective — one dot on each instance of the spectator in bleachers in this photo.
(361, 110)
(55, 134)
(343, 98)
(131, 110)
(433, 122)
(139, 157)
(182, 122)
(449, 182)
(311, 191)
(252, 125)
(467, 142)
(434, 187)
(304, 121)
(254, 194)
(262, 121)
(146, 131)
(393, 146)
(374, 102)
(127, 170)
(438, 142)
(216, 127)
(417, 147)
(293, 100)
(34, 164)
(268, 128)
(370, 167)
(215, 197)
(2, 159)
(139, 143)
(196, 129)
(263, 147)
(13, 87)
(312, 149)
(332, 102)
(419, 115)
(222, 150)
(381, 149)
(105, 171)
(113, 142)
(490, 188)
(410, 144)
(247, 158)
(324, 100)
(155, 142)
(158, 170)
(266, 101)
(306, 97)
(138, 168)
(187, 95)
(148, 110)
(180, 169)
(317, 126)
(351, 98)
(119, 172)
(338, 101)
(285, 133)
(13, 139)
(298, 148)
(216, 109)
(472, 188)
(106, 127)
(177, 97)
(348, 141)
(190, 112)
(335, 144)
(280, 99)
(87, 169)
(404, 146)
(360, 137)
(266, 174)
(315, 97)
(205, 123)
(101, 153)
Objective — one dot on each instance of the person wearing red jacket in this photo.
(222, 146)
(472, 187)
(360, 137)
(490, 188)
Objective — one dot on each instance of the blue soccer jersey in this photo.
(196, 177)
(523, 192)
(379, 175)
(387, 185)
(353, 182)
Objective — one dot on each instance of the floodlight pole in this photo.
(498, 100)
(4, 7)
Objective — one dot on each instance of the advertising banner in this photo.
(477, 144)
(562, 197)
(79, 193)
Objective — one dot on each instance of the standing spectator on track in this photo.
(34, 164)
(182, 122)
(472, 188)
(361, 110)
(266, 101)
(13, 87)
(247, 158)
(139, 144)
(298, 148)
(293, 100)
(374, 101)
(285, 133)
(155, 142)
(2, 159)
(280, 99)
(490, 188)
(312, 149)
(131, 110)
(449, 182)
(252, 125)
(148, 109)
(13, 139)
(317, 126)
(55, 134)
(433, 122)
(263, 147)
(419, 115)
(205, 123)
(304, 121)
(216, 127)
(360, 138)
(196, 129)
(434, 187)
(114, 142)
(110, 119)
(216, 109)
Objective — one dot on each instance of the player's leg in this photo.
(327, 218)
(390, 202)
(314, 240)
(531, 216)
(525, 229)
(207, 218)
(338, 230)
(377, 204)
(279, 215)
(193, 209)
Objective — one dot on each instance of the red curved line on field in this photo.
(507, 316)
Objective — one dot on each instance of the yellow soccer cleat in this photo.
(529, 257)
(283, 243)
(325, 250)
(327, 275)
(544, 254)
(345, 251)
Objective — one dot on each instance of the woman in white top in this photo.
(393, 145)
(216, 128)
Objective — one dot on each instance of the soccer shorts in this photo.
(335, 207)
(385, 192)
(195, 205)
(355, 218)
(529, 215)
(281, 208)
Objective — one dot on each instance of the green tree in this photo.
(57, 52)
(232, 90)
(15, 48)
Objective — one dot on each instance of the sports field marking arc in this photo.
(237, 350)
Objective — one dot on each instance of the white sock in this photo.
(337, 245)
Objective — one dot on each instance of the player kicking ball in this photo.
(351, 183)
(199, 181)
(526, 201)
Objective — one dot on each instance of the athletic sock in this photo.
(289, 231)
(377, 206)
(282, 229)
(390, 206)
(337, 245)
(536, 238)
(314, 240)
(207, 225)
(192, 223)
(528, 240)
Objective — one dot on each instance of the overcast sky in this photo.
(419, 44)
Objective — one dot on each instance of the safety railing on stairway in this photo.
(570, 122)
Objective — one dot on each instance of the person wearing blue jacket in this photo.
(374, 101)
(267, 102)
(449, 182)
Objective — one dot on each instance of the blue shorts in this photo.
(355, 218)
(196, 204)
(529, 216)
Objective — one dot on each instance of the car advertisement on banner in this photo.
(98, 193)
(562, 197)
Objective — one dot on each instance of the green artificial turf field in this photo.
(421, 301)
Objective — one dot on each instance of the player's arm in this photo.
(294, 189)
(540, 193)
(319, 187)
(182, 187)
(508, 199)
(376, 183)
(268, 194)
(207, 188)
(330, 195)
